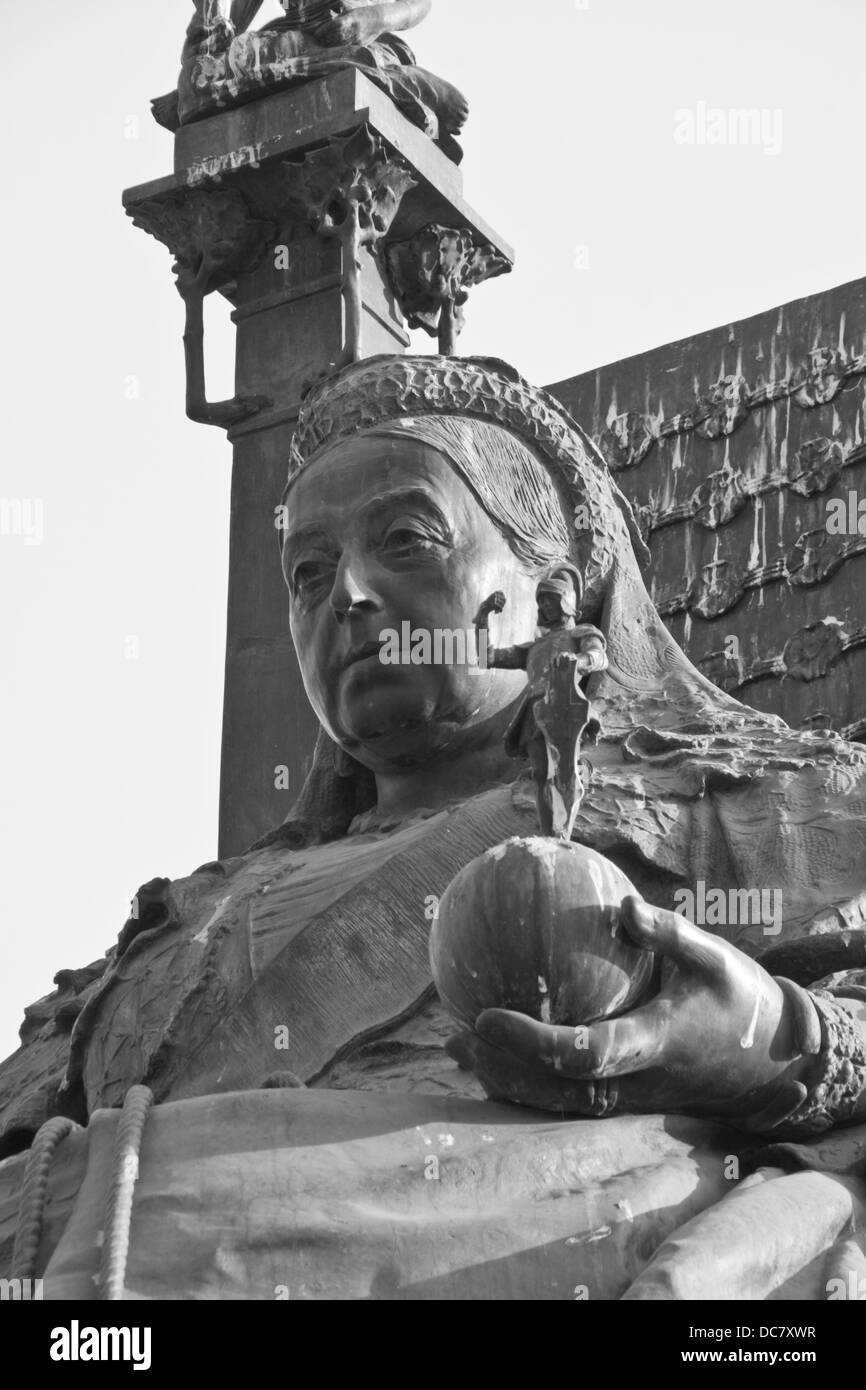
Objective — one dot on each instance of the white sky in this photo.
(110, 766)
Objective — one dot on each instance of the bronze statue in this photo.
(415, 484)
(554, 716)
(225, 62)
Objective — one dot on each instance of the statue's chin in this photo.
(394, 720)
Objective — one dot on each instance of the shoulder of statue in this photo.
(585, 630)
(31, 1078)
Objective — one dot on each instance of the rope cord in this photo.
(31, 1209)
(118, 1217)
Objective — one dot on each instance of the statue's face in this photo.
(383, 532)
(549, 609)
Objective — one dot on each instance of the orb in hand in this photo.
(534, 926)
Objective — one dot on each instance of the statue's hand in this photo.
(722, 1037)
(494, 604)
(364, 24)
(563, 660)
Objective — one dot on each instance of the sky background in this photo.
(111, 664)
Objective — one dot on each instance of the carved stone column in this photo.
(297, 208)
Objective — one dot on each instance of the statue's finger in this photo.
(671, 935)
(505, 1079)
(787, 1098)
(459, 1049)
(614, 1047)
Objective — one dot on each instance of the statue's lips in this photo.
(363, 653)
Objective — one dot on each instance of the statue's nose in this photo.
(352, 591)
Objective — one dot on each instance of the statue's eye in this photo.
(408, 536)
(307, 576)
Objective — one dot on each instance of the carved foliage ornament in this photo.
(349, 191)
(720, 497)
(816, 466)
(627, 441)
(719, 589)
(213, 236)
(816, 556)
(431, 275)
(210, 232)
(723, 408)
(822, 379)
(810, 652)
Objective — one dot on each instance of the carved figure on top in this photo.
(554, 715)
(226, 63)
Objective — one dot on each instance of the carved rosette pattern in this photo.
(724, 406)
(431, 276)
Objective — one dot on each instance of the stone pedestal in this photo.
(324, 216)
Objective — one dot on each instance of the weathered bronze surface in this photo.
(416, 484)
(262, 1054)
